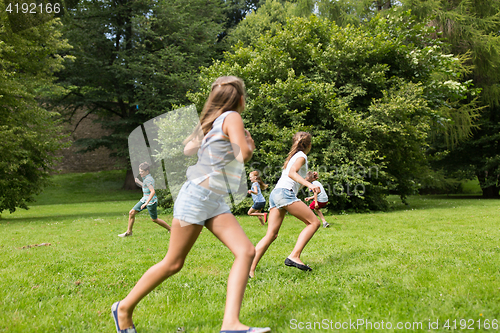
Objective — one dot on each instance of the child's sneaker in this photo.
(325, 224)
(125, 234)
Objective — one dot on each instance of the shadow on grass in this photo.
(425, 202)
(61, 217)
(457, 196)
(89, 198)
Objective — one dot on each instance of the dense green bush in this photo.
(370, 96)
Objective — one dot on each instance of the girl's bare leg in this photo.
(275, 219)
(227, 229)
(162, 223)
(301, 211)
(254, 212)
(181, 242)
(320, 214)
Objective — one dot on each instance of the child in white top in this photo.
(284, 199)
(320, 199)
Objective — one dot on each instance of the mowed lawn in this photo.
(431, 266)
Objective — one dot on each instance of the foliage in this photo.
(270, 16)
(134, 60)
(370, 95)
(235, 11)
(29, 134)
(471, 31)
(472, 27)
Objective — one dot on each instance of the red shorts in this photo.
(320, 204)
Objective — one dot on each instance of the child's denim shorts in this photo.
(196, 204)
(259, 205)
(281, 197)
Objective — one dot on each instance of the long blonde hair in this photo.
(225, 95)
(259, 180)
(301, 141)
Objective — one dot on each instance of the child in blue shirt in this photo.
(259, 202)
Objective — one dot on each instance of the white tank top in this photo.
(289, 183)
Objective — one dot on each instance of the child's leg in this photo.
(227, 229)
(162, 223)
(301, 211)
(276, 217)
(153, 213)
(320, 214)
(131, 220)
(180, 244)
(256, 212)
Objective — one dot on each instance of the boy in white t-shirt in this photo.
(320, 199)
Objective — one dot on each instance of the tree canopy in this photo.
(135, 60)
(471, 30)
(29, 134)
(370, 95)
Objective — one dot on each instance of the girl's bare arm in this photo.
(296, 177)
(240, 138)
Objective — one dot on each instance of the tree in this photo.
(236, 11)
(270, 16)
(370, 95)
(135, 60)
(29, 134)
(473, 27)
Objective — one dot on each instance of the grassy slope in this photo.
(87, 187)
(437, 260)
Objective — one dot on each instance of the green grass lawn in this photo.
(435, 260)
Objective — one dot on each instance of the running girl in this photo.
(284, 199)
(201, 202)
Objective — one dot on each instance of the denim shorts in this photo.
(259, 205)
(281, 197)
(152, 209)
(196, 204)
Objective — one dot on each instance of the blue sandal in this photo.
(249, 330)
(114, 312)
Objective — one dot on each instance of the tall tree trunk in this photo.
(129, 183)
(489, 191)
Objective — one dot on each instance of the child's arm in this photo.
(192, 147)
(138, 182)
(296, 177)
(240, 138)
(254, 191)
(316, 205)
